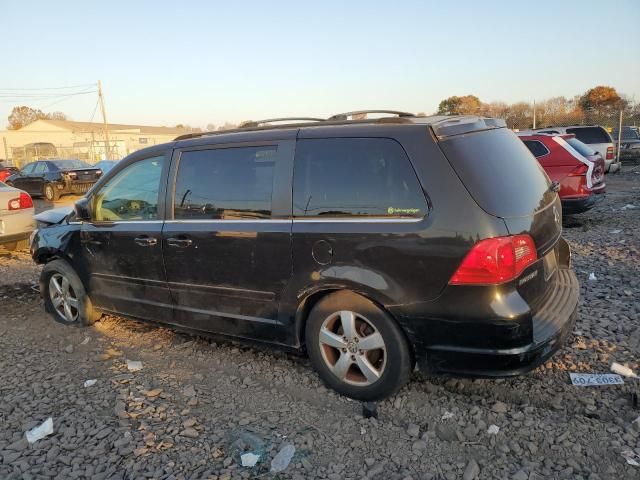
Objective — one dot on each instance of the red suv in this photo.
(574, 165)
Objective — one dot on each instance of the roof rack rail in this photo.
(344, 116)
(257, 123)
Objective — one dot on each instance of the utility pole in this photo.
(534, 114)
(619, 136)
(104, 119)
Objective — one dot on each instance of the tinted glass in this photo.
(70, 164)
(499, 171)
(41, 167)
(627, 134)
(582, 148)
(536, 147)
(355, 177)
(28, 168)
(132, 195)
(225, 183)
(590, 134)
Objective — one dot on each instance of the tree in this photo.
(21, 116)
(520, 116)
(601, 102)
(468, 104)
(56, 116)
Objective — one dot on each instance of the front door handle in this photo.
(146, 241)
(179, 242)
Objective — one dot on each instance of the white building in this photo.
(83, 140)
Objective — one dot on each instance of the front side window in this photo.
(225, 183)
(355, 177)
(132, 195)
(536, 147)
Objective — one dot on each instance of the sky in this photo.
(208, 62)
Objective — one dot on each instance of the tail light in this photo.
(496, 260)
(72, 175)
(23, 201)
(609, 153)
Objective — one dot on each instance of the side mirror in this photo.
(81, 207)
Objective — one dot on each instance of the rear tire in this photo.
(65, 297)
(356, 347)
(50, 192)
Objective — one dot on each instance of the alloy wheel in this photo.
(352, 348)
(48, 192)
(63, 298)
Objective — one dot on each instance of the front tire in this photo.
(65, 297)
(356, 347)
(50, 192)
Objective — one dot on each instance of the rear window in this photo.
(590, 134)
(582, 148)
(69, 164)
(499, 172)
(355, 177)
(536, 147)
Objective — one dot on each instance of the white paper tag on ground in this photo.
(134, 365)
(41, 431)
(592, 379)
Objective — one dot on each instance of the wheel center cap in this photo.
(352, 346)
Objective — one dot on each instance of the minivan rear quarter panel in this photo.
(402, 265)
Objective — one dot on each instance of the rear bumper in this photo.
(552, 324)
(611, 166)
(76, 187)
(16, 226)
(579, 205)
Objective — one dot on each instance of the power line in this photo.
(3, 95)
(84, 85)
(43, 98)
(95, 109)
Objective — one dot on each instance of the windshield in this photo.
(582, 148)
(70, 164)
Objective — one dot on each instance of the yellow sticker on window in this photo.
(402, 211)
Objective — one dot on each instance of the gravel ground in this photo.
(196, 405)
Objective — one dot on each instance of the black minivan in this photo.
(371, 244)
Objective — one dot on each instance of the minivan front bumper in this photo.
(552, 324)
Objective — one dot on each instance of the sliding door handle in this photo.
(179, 242)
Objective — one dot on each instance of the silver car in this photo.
(596, 137)
(16, 217)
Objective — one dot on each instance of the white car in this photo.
(16, 217)
(596, 137)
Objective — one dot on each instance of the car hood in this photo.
(55, 215)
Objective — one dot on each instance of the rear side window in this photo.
(225, 183)
(499, 172)
(355, 177)
(590, 134)
(537, 148)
